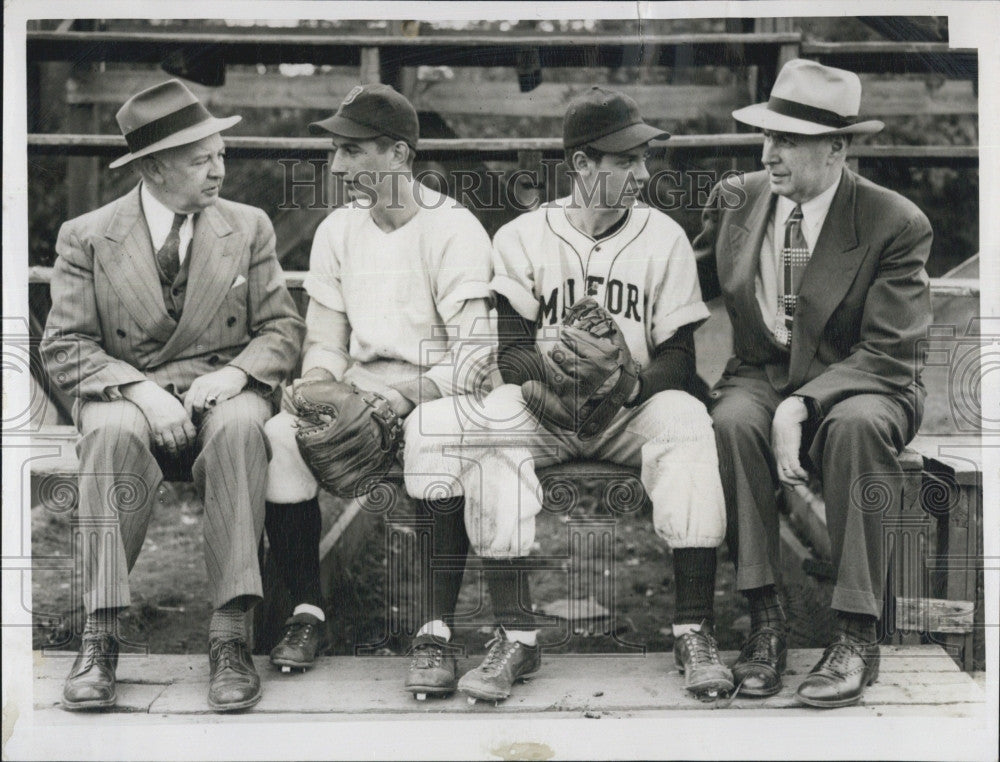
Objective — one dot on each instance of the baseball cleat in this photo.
(301, 638)
(433, 667)
(697, 657)
(507, 662)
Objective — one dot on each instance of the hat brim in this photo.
(344, 127)
(759, 115)
(628, 138)
(189, 135)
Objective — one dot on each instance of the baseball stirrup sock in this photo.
(510, 592)
(449, 549)
(293, 532)
(694, 576)
(765, 608)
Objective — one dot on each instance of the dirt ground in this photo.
(622, 603)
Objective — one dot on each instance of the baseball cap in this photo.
(369, 111)
(607, 120)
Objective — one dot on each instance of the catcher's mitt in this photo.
(589, 373)
(347, 437)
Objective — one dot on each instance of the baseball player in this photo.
(600, 242)
(385, 269)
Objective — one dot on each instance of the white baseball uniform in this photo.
(379, 306)
(644, 274)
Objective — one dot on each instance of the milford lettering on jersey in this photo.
(619, 299)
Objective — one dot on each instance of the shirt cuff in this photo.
(324, 293)
(520, 298)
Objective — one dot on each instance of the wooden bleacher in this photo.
(913, 680)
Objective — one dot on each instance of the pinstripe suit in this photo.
(109, 326)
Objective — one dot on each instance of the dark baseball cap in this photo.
(369, 111)
(607, 120)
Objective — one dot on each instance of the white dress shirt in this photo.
(159, 220)
(770, 276)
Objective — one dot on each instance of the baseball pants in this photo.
(489, 451)
(120, 476)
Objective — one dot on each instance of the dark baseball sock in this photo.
(449, 550)
(859, 627)
(510, 592)
(694, 576)
(293, 531)
(765, 608)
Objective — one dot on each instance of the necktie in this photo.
(168, 258)
(794, 258)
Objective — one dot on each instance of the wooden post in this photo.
(370, 73)
(83, 173)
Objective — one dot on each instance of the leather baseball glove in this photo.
(589, 373)
(347, 437)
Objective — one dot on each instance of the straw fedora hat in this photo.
(809, 98)
(165, 116)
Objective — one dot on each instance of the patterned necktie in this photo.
(168, 258)
(794, 258)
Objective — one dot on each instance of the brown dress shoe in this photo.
(91, 681)
(234, 683)
(840, 677)
(761, 661)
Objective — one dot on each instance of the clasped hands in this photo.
(171, 420)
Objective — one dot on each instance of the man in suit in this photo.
(822, 273)
(172, 326)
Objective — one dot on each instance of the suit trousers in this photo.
(120, 477)
(854, 449)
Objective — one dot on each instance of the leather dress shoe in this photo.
(840, 677)
(761, 662)
(234, 683)
(91, 681)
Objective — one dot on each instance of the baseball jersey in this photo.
(644, 274)
(395, 287)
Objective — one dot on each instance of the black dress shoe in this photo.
(841, 675)
(301, 638)
(91, 681)
(761, 662)
(234, 683)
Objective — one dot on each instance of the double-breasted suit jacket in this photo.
(109, 326)
(863, 304)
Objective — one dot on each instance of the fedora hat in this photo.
(165, 116)
(809, 98)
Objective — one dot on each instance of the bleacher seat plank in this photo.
(268, 47)
(730, 144)
(911, 676)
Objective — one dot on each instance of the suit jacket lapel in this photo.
(832, 269)
(130, 268)
(211, 271)
(744, 242)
